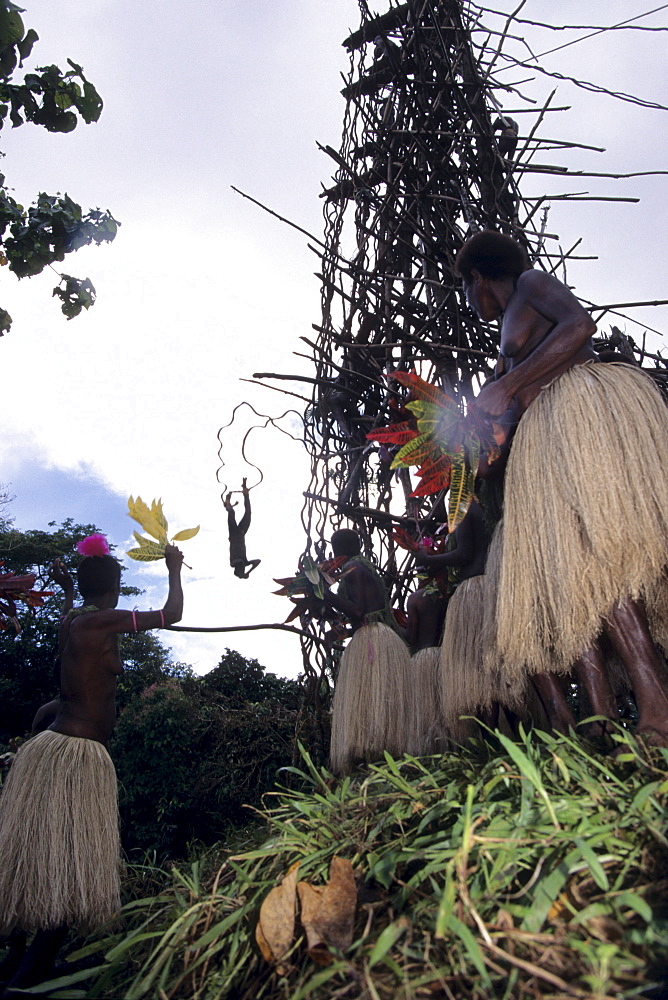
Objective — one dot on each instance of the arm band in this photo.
(134, 620)
(162, 619)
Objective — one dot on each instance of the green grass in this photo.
(518, 870)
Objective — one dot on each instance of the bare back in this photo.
(89, 668)
(361, 593)
(426, 615)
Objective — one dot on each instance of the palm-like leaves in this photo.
(310, 582)
(154, 523)
(15, 587)
(442, 443)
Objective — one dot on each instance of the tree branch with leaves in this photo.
(55, 225)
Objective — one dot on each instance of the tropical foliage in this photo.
(194, 755)
(533, 870)
(15, 587)
(311, 581)
(153, 521)
(444, 445)
(34, 238)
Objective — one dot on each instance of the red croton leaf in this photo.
(427, 487)
(394, 433)
(405, 541)
(423, 390)
(400, 617)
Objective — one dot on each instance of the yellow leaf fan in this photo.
(154, 523)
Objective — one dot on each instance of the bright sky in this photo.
(202, 289)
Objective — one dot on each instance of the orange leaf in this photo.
(328, 912)
(439, 466)
(423, 390)
(275, 929)
(406, 541)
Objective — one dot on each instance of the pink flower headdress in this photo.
(94, 545)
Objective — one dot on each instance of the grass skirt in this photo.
(59, 842)
(371, 711)
(464, 682)
(585, 514)
(428, 732)
(472, 678)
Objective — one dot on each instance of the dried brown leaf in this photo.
(275, 929)
(328, 913)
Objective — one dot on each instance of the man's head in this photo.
(98, 577)
(346, 542)
(492, 255)
(490, 264)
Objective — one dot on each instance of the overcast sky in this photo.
(202, 289)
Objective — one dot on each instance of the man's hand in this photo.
(494, 399)
(173, 557)
(59, 574)
(423, 558)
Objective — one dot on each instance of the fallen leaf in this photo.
(275, 929)
(328, 912)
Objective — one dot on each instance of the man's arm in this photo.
(463, 553)
(411, 630)
(141, 621)
(355, 605)
(572, 328)
(59, 574)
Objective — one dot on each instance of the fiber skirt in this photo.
(371, 711)
(59, 840)
(428, 732)
(585, 513)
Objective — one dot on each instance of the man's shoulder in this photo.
(360, 564)
(534, 280)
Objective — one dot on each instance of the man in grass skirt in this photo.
(586, 485)
(59, 841)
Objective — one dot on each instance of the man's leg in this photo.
(252, 563)
(38, 962)
(647, 672)
(591, 674)
(551, 692)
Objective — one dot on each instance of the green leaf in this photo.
(311, 571)
(530, 771)
(447, 901)
(472, 947)
(637, 903)
(403, 456)
(11, 27)
(387, 939)
(461, 491)
(595, 867)
(546, 892)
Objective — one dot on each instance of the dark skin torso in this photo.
(89, 659)
(544, 332)
(90, 667)
(470, 552)
(365, 594)
(426, 615)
